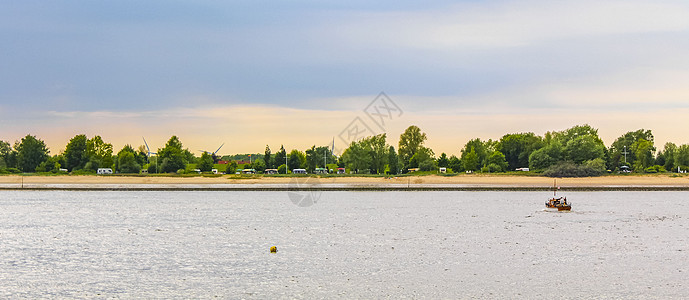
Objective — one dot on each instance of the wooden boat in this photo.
(559, 203)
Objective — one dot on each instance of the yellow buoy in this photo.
(274, 249)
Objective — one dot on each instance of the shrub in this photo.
(492, 168)
(569, 169)
(655, 169)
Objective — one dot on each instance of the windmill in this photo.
(214, 154)
(148, 154)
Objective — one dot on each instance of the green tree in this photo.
(455, 164)
(280, 156)
(172, 156)
(31, 152)
(311, 159)
(126, 160)
(8, 157)
(498, 160)
(393, 161)
(75, 153)
(231, 167)
(99, 153)
(267, 158)
(547, 156)
(643, 154)
(682, 157)
(669, 156)
(49, 165)
(205, 162)
(377, 149)
(616, 152)
(443, 160)
(296, 160)
(423, 159)
(470, 161)
(480, 149)
(518, 147)
(357, 157)
(583, 148)
(411, 142)
(259, 165)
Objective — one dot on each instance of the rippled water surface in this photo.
(346, 245)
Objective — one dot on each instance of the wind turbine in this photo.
(214, 154)
(148, 153)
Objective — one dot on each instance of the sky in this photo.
(303, 73)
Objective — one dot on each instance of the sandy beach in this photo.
(430, 180)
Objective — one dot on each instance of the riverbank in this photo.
(429, 182)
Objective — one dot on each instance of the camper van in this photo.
(299, 171)
(103, 171)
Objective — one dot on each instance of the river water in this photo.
(57, 244)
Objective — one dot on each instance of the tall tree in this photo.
(75, 153)
(624, 143)
(411, 142)
(126, 160)
(311, 159)
(267, 158)
(280, 157)
(584, 148)
(8, 157)
(455, 164)
(547, 156)
(518, 147)
(357, 157)
(99, 154)
(669, 156)
(393, 161)
(682, 157)
(31, 152)
(470, 161)
(296, 160)
(205, 162)
(172, 156)
(377, 149)
(643, 154)
(443, 160)
(497, 162)
(480, 149)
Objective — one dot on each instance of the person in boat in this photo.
(565, 200)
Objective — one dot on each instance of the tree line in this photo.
(576, 151)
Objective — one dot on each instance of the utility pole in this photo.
(286, 163)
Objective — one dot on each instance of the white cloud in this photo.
(512, 23)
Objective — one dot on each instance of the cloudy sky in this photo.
(299, 73)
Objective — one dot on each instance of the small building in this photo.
(320, 171)
(442, 170)
(144, 171)
(270, 171)
(340, 170)
(299, 171)
(104, 171)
